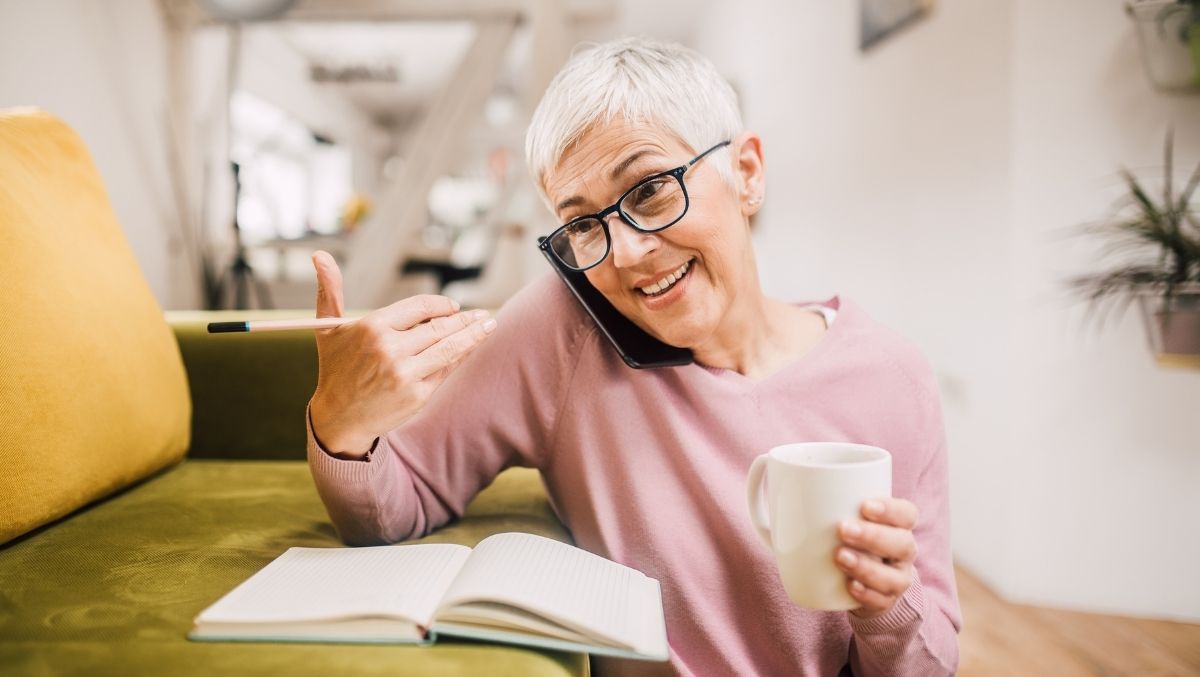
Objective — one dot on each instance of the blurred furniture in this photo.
(150, 467)
(500, 278)
(445, 271)
(334, 243)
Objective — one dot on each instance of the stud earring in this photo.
(756, 201)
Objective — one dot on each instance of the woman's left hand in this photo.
(877, 554)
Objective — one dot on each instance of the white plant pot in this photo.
(1172, 62)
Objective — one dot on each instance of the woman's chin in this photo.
(682, 330)
(678, 334)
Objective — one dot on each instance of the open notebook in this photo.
(512, 588)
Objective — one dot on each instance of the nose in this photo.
(629, 245)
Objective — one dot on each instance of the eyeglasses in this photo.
(655, 203)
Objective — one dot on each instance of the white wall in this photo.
(75, 59)
(930, 179)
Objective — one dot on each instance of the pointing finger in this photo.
(424, 335)
(449, 351)
(408, 313)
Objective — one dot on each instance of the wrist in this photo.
(334, 439)
(867, 614)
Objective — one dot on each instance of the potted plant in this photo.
(1169, 39)
(1159, 241)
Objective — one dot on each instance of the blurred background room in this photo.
(939, 161)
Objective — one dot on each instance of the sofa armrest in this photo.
(248, 391)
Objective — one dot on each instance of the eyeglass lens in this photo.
(652, 205)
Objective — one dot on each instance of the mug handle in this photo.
(754, 484)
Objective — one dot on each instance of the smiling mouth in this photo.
(670, 280)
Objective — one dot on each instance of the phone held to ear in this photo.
(637, 348)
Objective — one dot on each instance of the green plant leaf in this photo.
(1159, 243)
(1147, 205)
(1185, 198)
(1168, 169)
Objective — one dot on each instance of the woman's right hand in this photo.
(379, 370)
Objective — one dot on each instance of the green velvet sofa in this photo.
(149, 467)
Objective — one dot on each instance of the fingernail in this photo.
(846, 557)
(477, 315)
(489, 326)
(857, 588)
(852, 529)
(454, 305)
(873, 507)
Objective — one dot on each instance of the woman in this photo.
(648, 467)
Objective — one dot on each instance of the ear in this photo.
(750, 171)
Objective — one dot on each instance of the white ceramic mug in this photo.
(810, 488)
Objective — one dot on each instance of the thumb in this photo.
(329, 285)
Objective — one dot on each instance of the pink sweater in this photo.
(648, 468)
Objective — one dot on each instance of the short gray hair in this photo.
(641, 80)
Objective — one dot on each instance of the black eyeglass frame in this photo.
(602, 216)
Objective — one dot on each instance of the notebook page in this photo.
(563, 583)
(313, 584)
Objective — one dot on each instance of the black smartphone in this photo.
(637, 348)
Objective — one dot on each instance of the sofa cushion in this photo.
(93, 395)
(249, 391)
(114, 589)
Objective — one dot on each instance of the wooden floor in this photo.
(1000, 638)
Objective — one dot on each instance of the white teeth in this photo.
(665, 283)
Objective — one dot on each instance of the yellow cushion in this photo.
(93, 395)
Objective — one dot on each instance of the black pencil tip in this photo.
(227, 327)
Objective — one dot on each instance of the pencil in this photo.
(278, 325)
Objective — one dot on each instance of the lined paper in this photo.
(563, 583)
(314, 584)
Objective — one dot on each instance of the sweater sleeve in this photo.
(496, 410)
(919, 635)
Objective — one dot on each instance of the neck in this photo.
(760, 336)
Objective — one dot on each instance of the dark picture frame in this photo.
(880, 19)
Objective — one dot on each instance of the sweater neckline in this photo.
(828, 339)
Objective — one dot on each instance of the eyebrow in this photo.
(615, 174)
